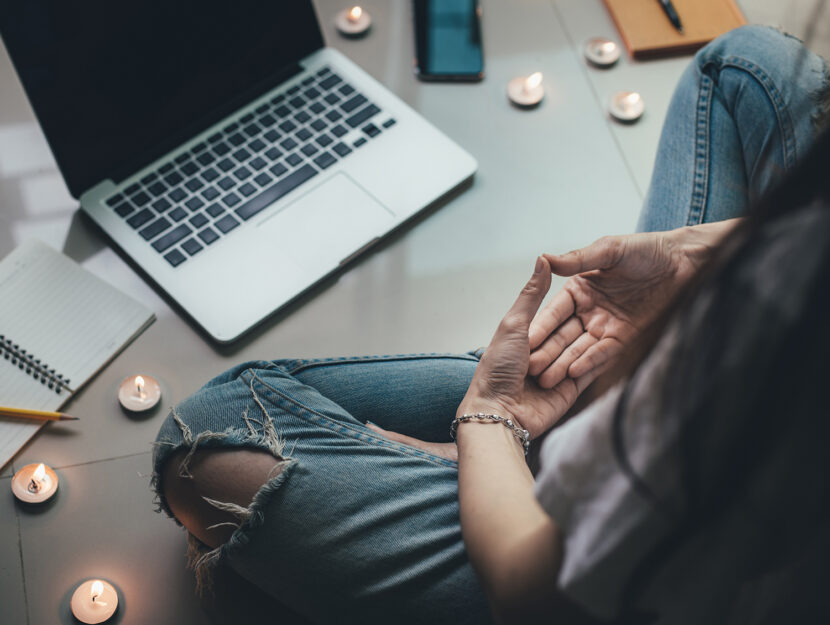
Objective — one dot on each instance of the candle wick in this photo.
(34, 486)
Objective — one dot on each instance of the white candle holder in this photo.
(139, 393)
(35, 483)
(626, 106)
(526, 92)
(94, 601)
(353, 22)
(602, 52)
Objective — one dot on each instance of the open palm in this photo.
(619, 285)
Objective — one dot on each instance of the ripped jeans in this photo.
(355, 528)
(359, 529)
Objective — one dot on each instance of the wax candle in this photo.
(35, 483)
(626, 106)
(353, 22)
(94, 601)
(138, 393)
(602, 52)
(526, 92)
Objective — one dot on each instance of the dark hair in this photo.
(748, 373)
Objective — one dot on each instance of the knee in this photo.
(752, 42)
(204, 489)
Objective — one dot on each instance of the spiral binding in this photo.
(32, 366)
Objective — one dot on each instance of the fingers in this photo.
(557, 310)
(529, 300)
(603, 253)
(558, 371)
(554, 345)
(595, 357)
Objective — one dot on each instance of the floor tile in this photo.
(12, 597)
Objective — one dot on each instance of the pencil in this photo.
(41, 415)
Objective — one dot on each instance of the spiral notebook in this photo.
(59, 325)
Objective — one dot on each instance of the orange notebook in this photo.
(648, 33)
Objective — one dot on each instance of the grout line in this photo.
(81, 464)
(584, 68)
(22, 567)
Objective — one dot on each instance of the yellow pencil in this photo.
(41, 415)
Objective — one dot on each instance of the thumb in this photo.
(601, 254)
(533, 292)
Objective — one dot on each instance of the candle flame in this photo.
(632, 98)
(139, 384)
(39, 473)
(608, 47)
(533, 81)
(97, 589)
(355, 13)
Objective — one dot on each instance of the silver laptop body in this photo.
(231, 284)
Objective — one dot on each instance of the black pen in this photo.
(674, 18)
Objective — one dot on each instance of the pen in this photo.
(41, 415)
(671, 12)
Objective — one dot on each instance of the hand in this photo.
(619, 285)
(501, 384)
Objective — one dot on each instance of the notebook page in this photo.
(63, 315)
(19, 390)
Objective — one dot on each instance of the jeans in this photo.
(357, 528)
(743, 114)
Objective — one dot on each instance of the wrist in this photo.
(475, 405)
(511, 431)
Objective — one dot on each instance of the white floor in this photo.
(808, 20)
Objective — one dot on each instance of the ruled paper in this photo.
(63, 315)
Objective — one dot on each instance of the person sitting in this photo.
(693, 490)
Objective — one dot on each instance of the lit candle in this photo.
(602, 52)
(138, 393)
(94, 601)
(526, 92)
(35, 483)
(353, 22)
(627, 106)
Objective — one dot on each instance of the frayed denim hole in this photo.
(259, 433)
(203, 560)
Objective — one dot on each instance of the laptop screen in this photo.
(117, 84)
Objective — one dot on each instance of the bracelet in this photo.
(521, 435)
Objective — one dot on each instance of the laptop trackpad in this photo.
(327, 224)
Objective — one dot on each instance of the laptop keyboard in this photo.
(205, 193)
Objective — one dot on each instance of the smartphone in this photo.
(448, 40)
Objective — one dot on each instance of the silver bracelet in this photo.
(521, 435)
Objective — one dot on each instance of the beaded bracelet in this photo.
(521, 435)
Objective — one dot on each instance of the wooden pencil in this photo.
(40, 415)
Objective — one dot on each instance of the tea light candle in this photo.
(138, 393)
(602, 52)
(526, 92)
(94, 601)
(627, 106)
(353, 22)
(35, 483)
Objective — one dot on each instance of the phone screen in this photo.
(448, 40)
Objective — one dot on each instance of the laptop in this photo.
(229, 153)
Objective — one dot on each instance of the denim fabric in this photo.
(356, 528)
(359, 529)
(742, 115)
